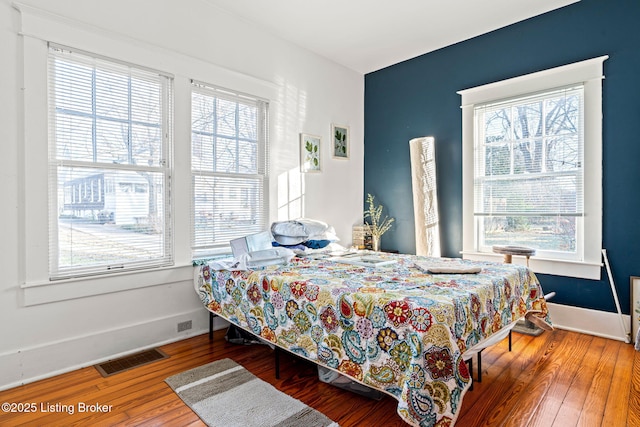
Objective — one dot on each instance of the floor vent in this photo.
(131, 361)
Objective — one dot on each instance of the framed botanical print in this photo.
(340, 138)
(310, 153)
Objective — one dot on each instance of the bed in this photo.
(403, 325)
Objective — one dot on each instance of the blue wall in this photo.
(418, 97)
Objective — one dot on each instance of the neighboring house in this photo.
(97, 198)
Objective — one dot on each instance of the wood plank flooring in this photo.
(557, 379)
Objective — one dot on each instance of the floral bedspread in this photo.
(395, 328)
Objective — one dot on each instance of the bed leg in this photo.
(211, 316)
(470, 363)
(509, 340)
(480, 366)
(277, 357)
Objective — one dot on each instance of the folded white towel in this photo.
(447, 269)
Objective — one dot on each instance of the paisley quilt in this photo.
(396, 328)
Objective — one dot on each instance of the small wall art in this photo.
(310, 153)
(340, 138)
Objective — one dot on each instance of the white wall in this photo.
(48, 329)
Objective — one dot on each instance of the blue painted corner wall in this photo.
(418, 98)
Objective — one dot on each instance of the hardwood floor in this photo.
(557, 379)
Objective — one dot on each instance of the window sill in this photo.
(582, 270)
(203, 259)
(61, 290)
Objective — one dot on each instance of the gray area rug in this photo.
(224, 394)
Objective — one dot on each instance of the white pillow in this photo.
(294, 232)
(289, 232)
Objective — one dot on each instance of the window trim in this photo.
(36, 293)
(166, 85)
(588, 72)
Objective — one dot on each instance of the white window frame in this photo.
(590, 74)
(165, 82)
(261, 174)
(37, 29)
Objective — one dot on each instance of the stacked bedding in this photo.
(303, 232)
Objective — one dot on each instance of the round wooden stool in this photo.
(509, 251)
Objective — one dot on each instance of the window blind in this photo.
(529, 155)
(109, 165)
(528, 172)
(229, 163)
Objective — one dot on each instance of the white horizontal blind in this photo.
(109, 165)
(528, 171)
(229, 143)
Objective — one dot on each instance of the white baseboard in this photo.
(592, 322)
(50, 359)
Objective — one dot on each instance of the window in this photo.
(109, 165)
(528, 173)
(229, 167)
(532, 168)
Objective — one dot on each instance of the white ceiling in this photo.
(367, 35)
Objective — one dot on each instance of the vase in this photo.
(375, 243)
